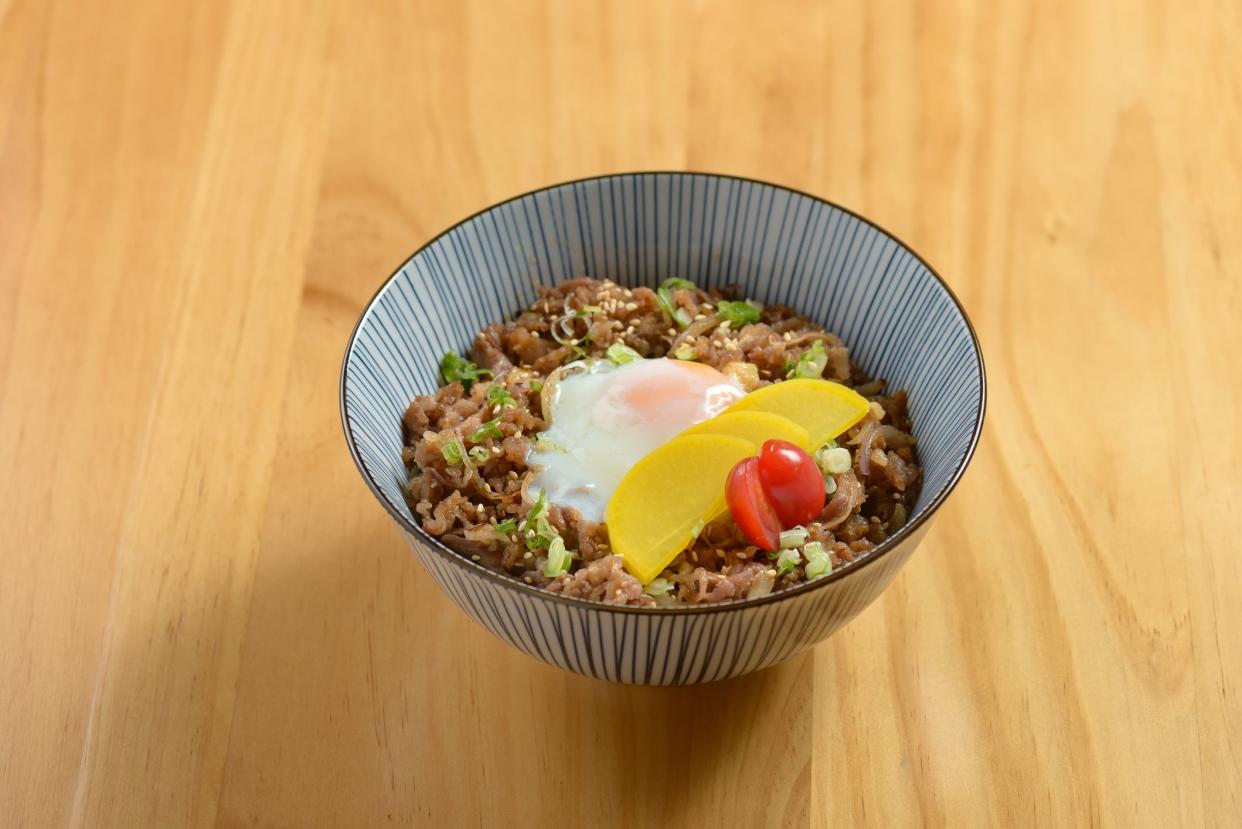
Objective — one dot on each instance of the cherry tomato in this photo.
(792, 481)
(750, 507)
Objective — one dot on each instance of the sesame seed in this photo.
(672, 332)
(700, 317)
(474, 557)
(526, 554)
(631, 306)
(707, 306)
(787, 336)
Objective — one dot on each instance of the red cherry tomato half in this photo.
(792, 481)
(750, 507)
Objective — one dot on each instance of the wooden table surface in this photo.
(206, 619)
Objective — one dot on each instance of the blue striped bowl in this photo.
(899, 319)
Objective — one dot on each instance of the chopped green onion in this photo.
(620, 354)
(671, 284)
(665, 296)
(787, 560)
(558, 559)
(499, 397)
(507, 527)
(544, 533)
(453, 452)
(682, 316)
(540, 507)
(586, 311)
(833, 460)
(536, 529)
(812, 362)
(479, 454)
(658, 587)
(543, 443)
(490, 429)
(738, 313)
(830, 485)
(794, 537)
(818, 562)
(536, 385)
(685, 352)
(454, 367)
(697, 528)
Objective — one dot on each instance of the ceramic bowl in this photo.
(898, 317)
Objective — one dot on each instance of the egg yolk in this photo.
(683, 384)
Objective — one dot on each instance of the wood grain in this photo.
(205, 619)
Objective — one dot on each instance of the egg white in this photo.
(596, 435)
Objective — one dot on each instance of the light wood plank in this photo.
(162, 342)
(89, 179)
(163, 705)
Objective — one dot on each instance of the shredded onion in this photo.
(845, 500)
(871, 389)
(761, 586)
(695, 329)
(811, 336)
(480, 532)
(890, 437)
(547, 395)
(527, 497)
(865, 439)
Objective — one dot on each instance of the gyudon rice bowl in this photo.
(659, 447)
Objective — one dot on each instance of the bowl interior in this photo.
(898, 319)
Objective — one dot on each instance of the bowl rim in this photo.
(474, 568)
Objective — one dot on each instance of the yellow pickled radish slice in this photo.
(754, 426)
(667, 497)
(825, 409)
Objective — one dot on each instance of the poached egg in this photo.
(605, 418)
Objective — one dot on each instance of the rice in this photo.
(472, 503)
